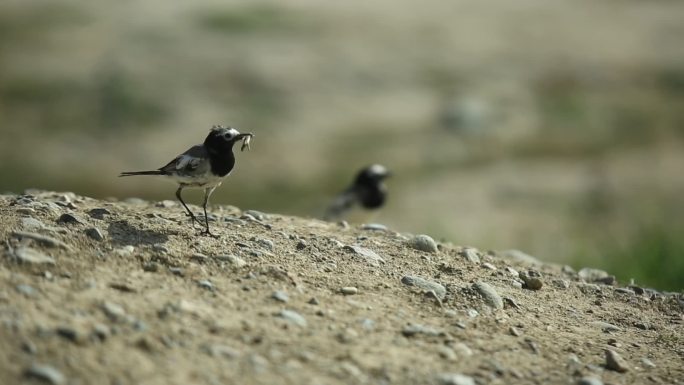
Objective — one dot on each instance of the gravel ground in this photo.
(104, 292)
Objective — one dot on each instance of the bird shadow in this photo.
(122, 233)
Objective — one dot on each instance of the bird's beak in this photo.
(246, 134)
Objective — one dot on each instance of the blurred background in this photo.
(554, 127)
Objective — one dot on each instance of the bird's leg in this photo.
(207, 193)
(193, 219)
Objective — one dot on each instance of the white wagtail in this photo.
(368, 191)
(203, 166)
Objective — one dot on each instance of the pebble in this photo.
(199, 257)
(26, 290)
(177, 271)
(589, 381)
(489, 266)
(68, 333)
(349, 290)
(124, 251)
(95, 234)
(455, 379)
(29, 347)
(221, 351)
(413, 330)
(647, 363)
(511, 271)
(31, 256)
(605, 326)
(425, 285)
(231, 259)
(589, 288)
(45, 373)
(470, 254)
(31, 224)
(301, 245)
(313, 301)
(374, 227)
(447, 353)
(166, 203)
(560, 284)
(160, 248)
(490, 295)
(369, 255)
(424, 243)
(68, 218)
(462, 349)
(41, 239)
(101, 331)
(532, 279)
(293, 317)
(99, 213)
(151, 267)
(113, 311)
(266, 243)
(256, 214)
(615, 362)
(514, 331)
(590, 275)
(205, 284)
(280, 296)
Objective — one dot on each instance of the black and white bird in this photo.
(202, 166)
(367, 192)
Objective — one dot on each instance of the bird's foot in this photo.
(209, 234)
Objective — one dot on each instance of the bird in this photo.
(202, 166)
(367, 191)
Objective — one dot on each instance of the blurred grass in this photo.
(254, 18)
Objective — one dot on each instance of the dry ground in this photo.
(178, 308)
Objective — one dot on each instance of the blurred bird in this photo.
(368, 191)
(202, 166)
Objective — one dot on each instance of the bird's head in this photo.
(372, 175)
(222, 139)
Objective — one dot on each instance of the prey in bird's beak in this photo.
(246, 138)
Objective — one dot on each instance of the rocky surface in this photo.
(128, 293)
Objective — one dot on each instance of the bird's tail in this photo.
(153, 172)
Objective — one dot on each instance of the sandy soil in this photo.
(152, 302)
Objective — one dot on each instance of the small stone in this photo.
(424, 243)
(98, 213)
(647, 363)
(280, 296)
(560, 284)
(31, 256)
(177, 271)
(160, 248)
(221, 351)
(199, 257)
(124, 251)
(512, 272)
(68, 218)
(605, 326)
(41, 239)
(301, 245)
(293, 317)
(589, 381)
(489, 266)
(26, 290)
(590, 275)
(313, 301)
(101, 331)
(471, 255)
(166, 203)
(589, 288)
(609, 280)
(95, 234)
(232, 260)
(462, 349)
(31, 224)
(28, 347)
(151, 267)
(113, 311)
(205, 284)
(45, 373)
(266, 244)
(369, 255)
(490, 295)
(373, 227)
(68, 333)
(425, 285)
(349, 290)
(514, 331)
(447, 353)
(455, 379)
(637, 290)
(413, 330)
(256, 214)
(532, 279)
(615, 362)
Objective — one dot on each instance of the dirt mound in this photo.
(96, 292)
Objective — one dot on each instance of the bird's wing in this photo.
(188, 161)
(341, 204)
